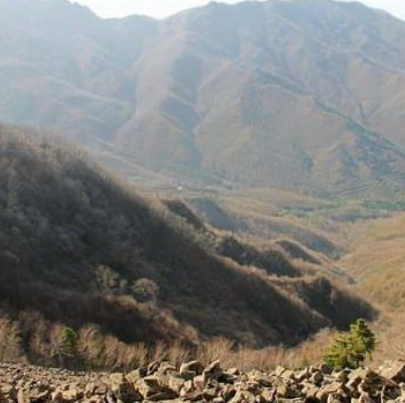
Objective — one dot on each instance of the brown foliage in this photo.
(80, 250)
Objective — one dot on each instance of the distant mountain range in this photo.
(307, 95)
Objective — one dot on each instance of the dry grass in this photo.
(97, 352)
(94, 351)
(377, 261)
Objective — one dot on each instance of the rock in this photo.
(122, 389)
(260, 378)
(288, 374)
(101, 389)
(325, 369)
(151, 389)
(187, 388)
(134, 376)
(310, 390)
(285, 391)
(153, 367)
(8, 392)
(335, 399)
(25, 384)
(228, 392)
(333, 389)
(164, 394)
(176, 384)
(94, 388)
(109, 397)
(193, 396)
(233, 372)
(116, 379)
(365, 398)
(243, 397)
(213, 371)
(188, 375)
(192, 367)
(200, 381)
(229, 377)
(210, 394)
(148, 386)
(22, 397)
(317, 378)
(342, 376)
(300, 376)
(57, 396)
(279, 370)
(39, 394)
(372, 383)
(166, 368)
(94, 399)
(394, 371)
(268, 395)
(356, 377)
(72, 395)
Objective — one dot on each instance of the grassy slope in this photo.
(377, 260)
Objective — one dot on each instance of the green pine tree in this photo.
(363, 338)
(350, 350)
(69, 342)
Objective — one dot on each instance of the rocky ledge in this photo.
(193, 382)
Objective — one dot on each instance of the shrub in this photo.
(351, 349)
(145, 290)
(69, 342)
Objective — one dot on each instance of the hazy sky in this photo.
(163, 8)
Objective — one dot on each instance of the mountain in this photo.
(304, 95)
(81, 250)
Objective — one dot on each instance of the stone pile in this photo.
(192, 382)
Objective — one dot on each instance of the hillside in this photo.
(376, 259)
(259, 94)
(80, 250)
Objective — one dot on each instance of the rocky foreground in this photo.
(194, 383)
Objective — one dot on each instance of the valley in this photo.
(190, 205)
(74, 238)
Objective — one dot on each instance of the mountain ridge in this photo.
(270, 94)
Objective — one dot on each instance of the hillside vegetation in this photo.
(377, 260)
(260, 94)
(80, 250)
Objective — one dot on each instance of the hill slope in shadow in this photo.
(79, 249)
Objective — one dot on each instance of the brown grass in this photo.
(94, 351)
